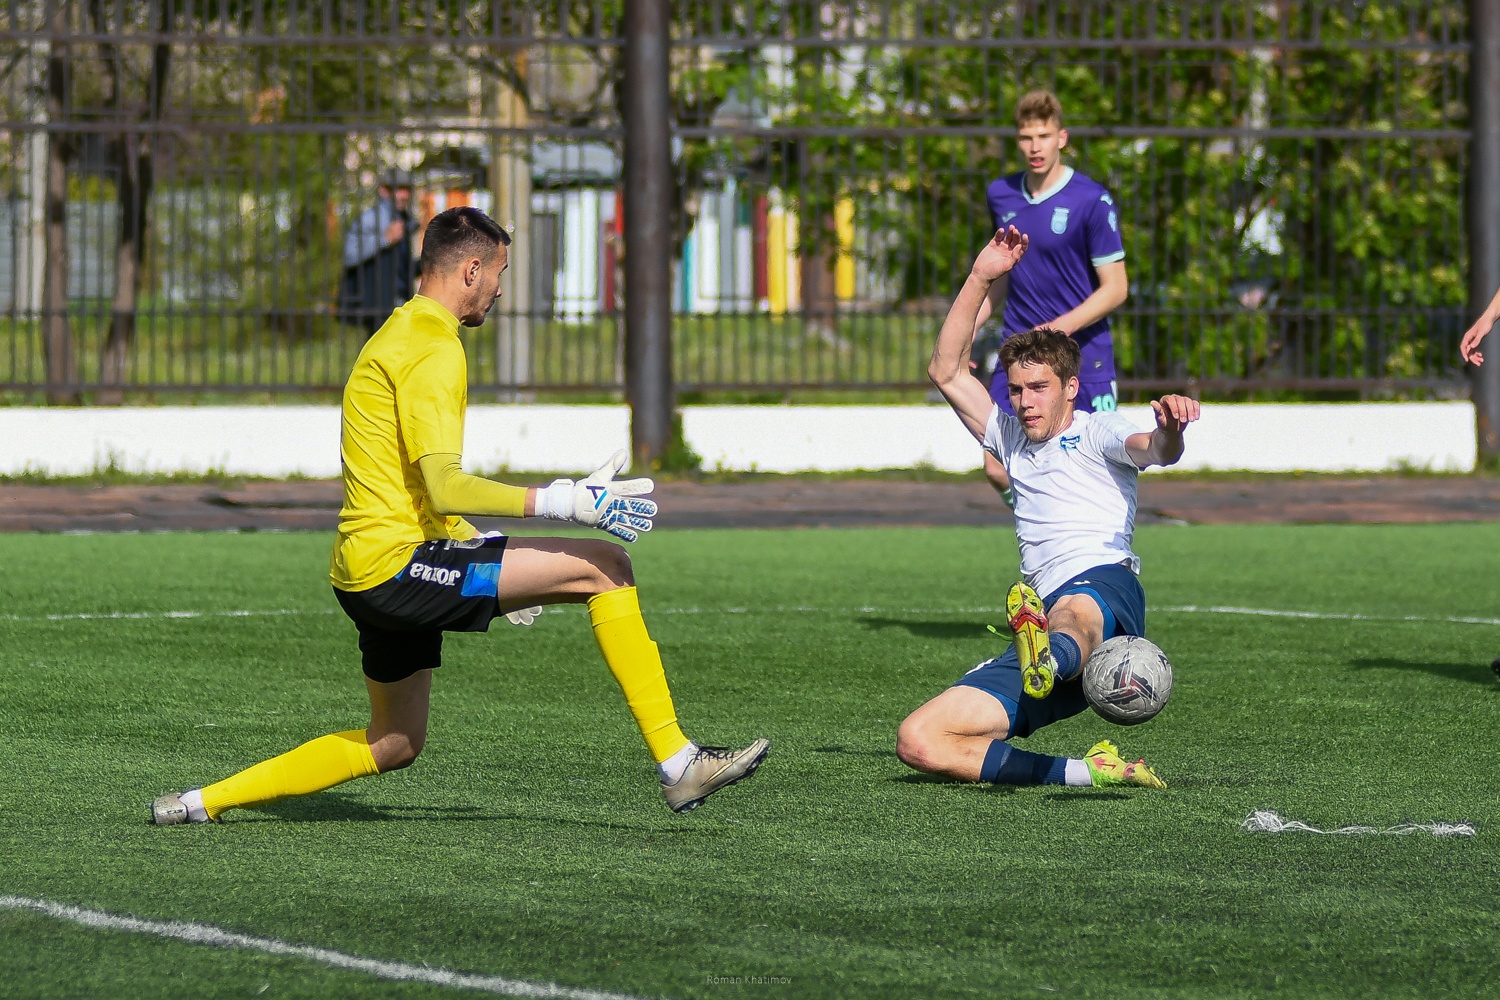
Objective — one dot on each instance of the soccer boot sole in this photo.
(1028, 620)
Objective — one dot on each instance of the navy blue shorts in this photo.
(1093, 397)
(1118, 593)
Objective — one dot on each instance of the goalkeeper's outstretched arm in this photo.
(599, 501)
(949, 368)
(454, 492)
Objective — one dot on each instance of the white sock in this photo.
(194, 801)
(671, 769)
(1077, 773)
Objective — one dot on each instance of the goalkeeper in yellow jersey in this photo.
(407, 567)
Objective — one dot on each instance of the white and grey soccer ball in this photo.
(1127, 680)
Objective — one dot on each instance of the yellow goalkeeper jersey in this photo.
(404, 399)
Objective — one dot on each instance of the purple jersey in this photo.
(1073, 229)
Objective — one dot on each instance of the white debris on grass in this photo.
(1270, 821)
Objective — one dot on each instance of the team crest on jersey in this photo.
(1069, 442)
(1007, 217)
(1059, 220)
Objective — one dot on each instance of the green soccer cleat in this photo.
(1107, 767)
(1028, 620)
(711, 769)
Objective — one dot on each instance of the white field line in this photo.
(1327, 616)
(111, 615)
(791, 609)
(205, 934)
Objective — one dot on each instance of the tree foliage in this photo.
(1288, 174)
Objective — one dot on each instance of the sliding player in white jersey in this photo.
(1074, 477)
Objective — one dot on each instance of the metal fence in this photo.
(185, 184)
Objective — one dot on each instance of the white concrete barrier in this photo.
(828, 438)
(285, 440)
(303, 440)
(1328, 437)
(1271, 437)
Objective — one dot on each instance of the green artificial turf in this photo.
(531, 841)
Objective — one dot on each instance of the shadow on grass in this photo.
(1473, 673)
(929, 630)
(1085, 795)
(917, 778)
(854, 753)
(1071, 795)
(325, 808)
(1259, 779)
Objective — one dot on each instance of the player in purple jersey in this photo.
(1073, 277)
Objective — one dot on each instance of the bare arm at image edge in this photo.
(1468, 348)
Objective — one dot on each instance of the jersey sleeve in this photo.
(1102, 229)
(1108, 432)
(430, 402)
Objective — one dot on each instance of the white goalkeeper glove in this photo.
(524, 616)
(600, 502)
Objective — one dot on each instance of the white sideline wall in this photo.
(285, 440)
(1260, 437)
(303, 440)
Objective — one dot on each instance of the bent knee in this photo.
(918, 747)
(611, 566)
(396, 751)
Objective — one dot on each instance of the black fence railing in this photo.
(190, 193)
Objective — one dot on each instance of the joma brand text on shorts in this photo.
(434, 574)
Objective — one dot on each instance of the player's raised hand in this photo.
(1174, 413)
(601, 502)
(1468, 348)
(1001, 253)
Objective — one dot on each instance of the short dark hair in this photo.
(460, 234)
(1043, 346)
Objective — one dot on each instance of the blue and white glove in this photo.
(600, 502)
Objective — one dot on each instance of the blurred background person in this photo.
(379, 272)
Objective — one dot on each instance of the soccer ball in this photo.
(1127, 680)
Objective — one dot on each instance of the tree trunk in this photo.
(57, 337)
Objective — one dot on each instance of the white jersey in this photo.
(1075, 495)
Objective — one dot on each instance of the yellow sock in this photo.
(636, 663)
(315, 765)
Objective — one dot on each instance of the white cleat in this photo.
(711, 769)
(169, 810)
